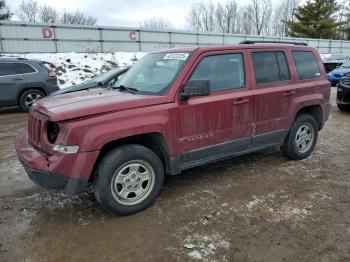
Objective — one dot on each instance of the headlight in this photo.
(66, 149)
(52, 131)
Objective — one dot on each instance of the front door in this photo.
(217, 125)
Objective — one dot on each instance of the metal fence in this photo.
(18, 37)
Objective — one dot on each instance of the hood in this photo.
(75, 88)
(340, 71)
(91, 102)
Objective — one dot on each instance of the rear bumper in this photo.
(326, 110)
(64, 172)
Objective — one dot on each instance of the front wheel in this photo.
(128, 179)
(29, 97)
(302, 138)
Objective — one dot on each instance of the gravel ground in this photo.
(260, 207)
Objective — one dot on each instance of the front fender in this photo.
(93, 133)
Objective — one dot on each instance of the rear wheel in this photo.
(128, 179)
(29, 97)
(302, 138)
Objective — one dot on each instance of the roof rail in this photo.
(271, 42)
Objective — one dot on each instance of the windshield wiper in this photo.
(128, 89)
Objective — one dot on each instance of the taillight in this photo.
(52, 74)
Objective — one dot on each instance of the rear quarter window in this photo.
(306, 64)
(24, 68)
(7, 69)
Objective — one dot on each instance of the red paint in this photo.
(94, 118)
(132, 36)
(47, 32)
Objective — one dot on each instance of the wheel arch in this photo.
(29, 88)
(315, 111)
(154, 141)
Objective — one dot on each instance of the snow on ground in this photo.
(75, 68)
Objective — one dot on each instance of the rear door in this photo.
(273, 94)
(217, 125)
(10, 83)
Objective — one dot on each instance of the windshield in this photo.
(103, 77)
(154, 73)
(345, 65)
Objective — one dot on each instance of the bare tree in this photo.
(158, 24)
(260, 11)
(28, 11)
(226, 17)
(245, 21)
(47, 14)
(283, 12)
(202, 17)
(77, 18)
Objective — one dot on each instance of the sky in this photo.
(122, 12)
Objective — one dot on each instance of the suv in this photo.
(22, 82)
(174, 110)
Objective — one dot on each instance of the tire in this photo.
(29, 97)
(299, 145)
(344, 108)
(119, 181)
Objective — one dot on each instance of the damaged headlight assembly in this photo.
(53, 130)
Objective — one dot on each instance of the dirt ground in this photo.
(260, 207)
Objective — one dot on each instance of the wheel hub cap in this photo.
(133, 182)
(304, 138)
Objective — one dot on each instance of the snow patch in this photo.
(76, 68)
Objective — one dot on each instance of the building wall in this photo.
(18, 37)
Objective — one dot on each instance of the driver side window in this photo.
(224, 71)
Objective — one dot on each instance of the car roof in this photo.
(207, 48)
(19, 60)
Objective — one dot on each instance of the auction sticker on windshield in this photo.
(176, 56)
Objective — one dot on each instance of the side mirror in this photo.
(196, 88)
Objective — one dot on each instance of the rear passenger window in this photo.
(306, 64)
(7, 69)
(223, 71)
(270, 67)
(24, 68)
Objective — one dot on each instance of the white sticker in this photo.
(176, 56)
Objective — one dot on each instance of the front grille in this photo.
(36, 129)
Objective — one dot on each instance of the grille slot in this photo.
(36, 122)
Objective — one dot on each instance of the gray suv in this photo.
(24, 81)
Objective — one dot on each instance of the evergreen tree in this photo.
(5, 13)
(315, 19)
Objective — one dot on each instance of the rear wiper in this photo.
(128, 89)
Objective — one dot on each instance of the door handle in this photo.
(289, 93)
(17, 79)
(241, 101)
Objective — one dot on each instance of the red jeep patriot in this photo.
(173, 110)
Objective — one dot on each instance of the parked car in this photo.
(343, 93)
(23, 81)
(334, 61)
(101, 81)
(174, 110)
(335, 76)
